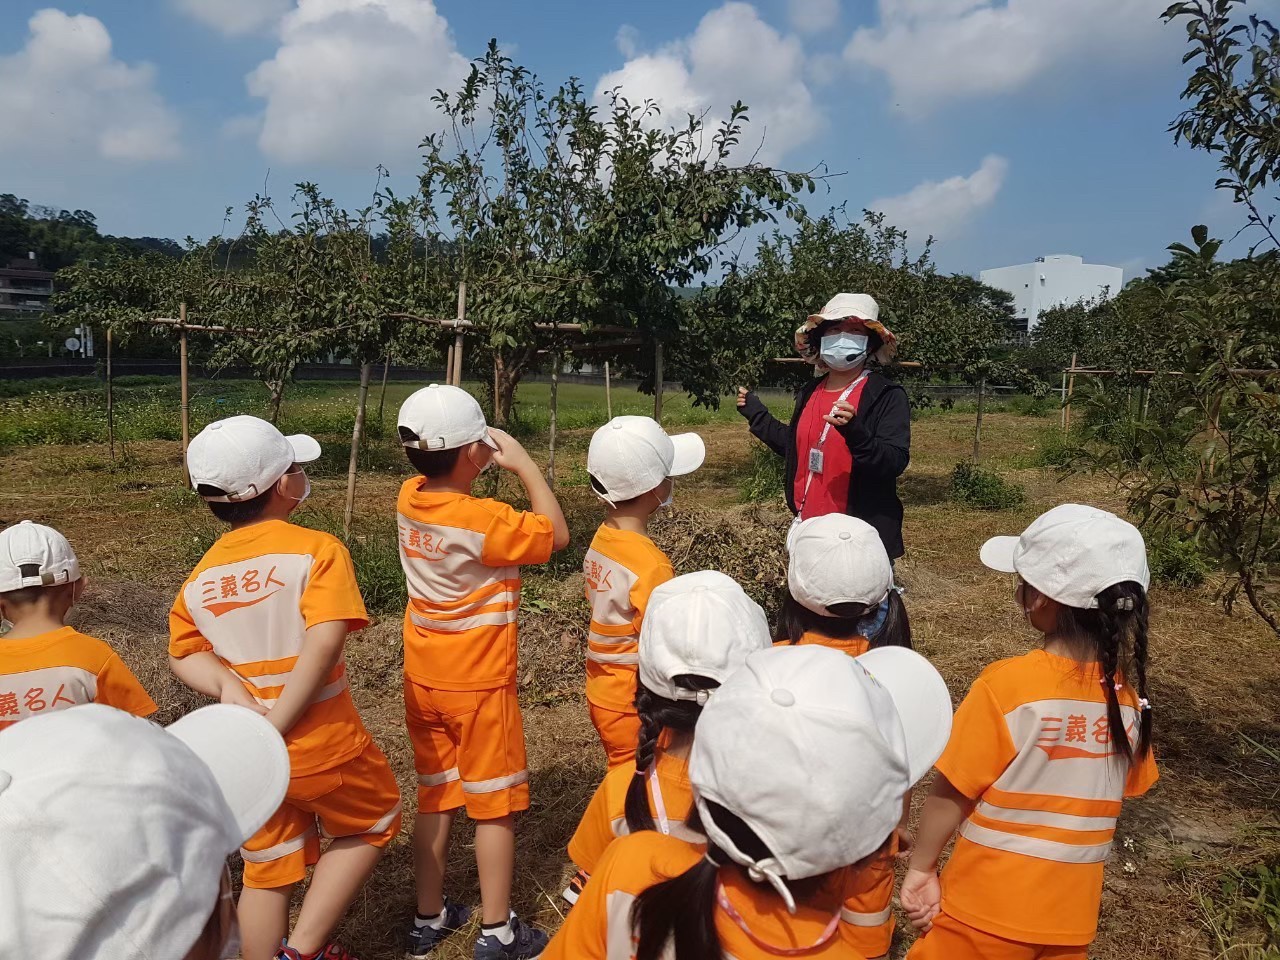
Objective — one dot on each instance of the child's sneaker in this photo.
(332, 951)
(526, 943)
(424, 939)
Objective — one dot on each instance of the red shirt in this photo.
(829, 491)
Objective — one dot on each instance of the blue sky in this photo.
(1008, 128)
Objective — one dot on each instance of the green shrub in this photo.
(1177, 561)
(764, 480)
(1054, 448)
(975, 486)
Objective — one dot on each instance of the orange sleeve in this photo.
(654, 577)
(584, 933)
(595, 831)
(332, 592)
(119, 688)
(980, 748)
(515, 538)
(184, 637)
(1142, 775)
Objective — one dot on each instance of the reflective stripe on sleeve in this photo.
(613, 657)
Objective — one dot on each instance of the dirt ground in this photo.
(1215, 679)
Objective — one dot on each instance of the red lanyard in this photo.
(723, 899)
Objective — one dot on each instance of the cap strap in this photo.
(700, 697)
(249, 494)
(436, 444)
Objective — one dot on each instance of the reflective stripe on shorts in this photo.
(496, 784)
(438, 779)
(278, 852)
(866, 919)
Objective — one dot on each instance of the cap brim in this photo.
(487, 439)
(690, 452)
(997, 553)
(305, 449)
(920, 695)
(246, 755)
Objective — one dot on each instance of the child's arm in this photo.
(943, 812)
(906, 841)
(513, 457)
(320, 652)
(205, 673)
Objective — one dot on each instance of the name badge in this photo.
(815, 461)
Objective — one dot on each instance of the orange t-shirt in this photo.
(250, 601)
(621, 569)
(64, 668)
(605, 818)
(599, 926)
(461, 557)
(1031, 745)
(854, 646)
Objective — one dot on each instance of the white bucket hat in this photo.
(701, 624)
(444, 417)
(630, 456)
(837, 559)
(114, 831)
(1072, 553)
(815, 750)
(244, 457)
(28, 544)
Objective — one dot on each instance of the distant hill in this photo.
(59, 238)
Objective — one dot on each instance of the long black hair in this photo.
(682, 911)
(658, 714)
(843, 622)
(1118, 630)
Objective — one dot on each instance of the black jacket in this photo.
(879, 438)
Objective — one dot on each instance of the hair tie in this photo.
(1118, 686)
(1144, 705)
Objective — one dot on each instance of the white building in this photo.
(1055, 281)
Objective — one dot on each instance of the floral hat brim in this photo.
(809, 351)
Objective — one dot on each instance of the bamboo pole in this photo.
(111, 418)
(1071, 389)
(352, 463)
(182, 374)
(382, 400)
(1062, 415)
(657, 381)
(448, 365)
(555, 406)
(608, 394)
(458, 335)
(977, 427)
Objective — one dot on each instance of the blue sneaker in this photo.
(525, 945)
(422, 940)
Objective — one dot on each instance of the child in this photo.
(840, 595)
(840, 588)
(262, 622)
(699, 628)
(461, 557)
(44, 664)
(784, 820)
(632, 463)
(1045, 748)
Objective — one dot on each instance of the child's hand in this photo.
(921, 898)
(906, 842)
(233, 692)
(509, 455)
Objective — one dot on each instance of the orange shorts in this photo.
(867, 915)
(949, 939)
(468, 748)
(618, 732)
(359, 798)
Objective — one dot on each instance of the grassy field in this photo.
(1188, 867)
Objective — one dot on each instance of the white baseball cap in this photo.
(28, 544)
(837, 559)
(844, 305)
(443, 417)
(701, 624)
(630, 456)
(244, 457)
(114, 831)
(815, 750)
(1072, 553)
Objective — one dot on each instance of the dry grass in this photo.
(1214, 677)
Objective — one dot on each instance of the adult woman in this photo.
(849, 438)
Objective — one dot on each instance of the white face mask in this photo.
(844, 351)
(671, 495)
(489, 464)
(306, 491)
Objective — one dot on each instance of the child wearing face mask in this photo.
(632, 464)
(461, 556)
(45, 665)
(262, 622)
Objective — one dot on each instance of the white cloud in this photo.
(352, 81)
(628, 40)
(942, 208)
(234, 17)
(64, 94)
(732, 55)
(934, 51)
(814, 16)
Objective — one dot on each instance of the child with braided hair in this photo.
(1044, 750)
(697, 630)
